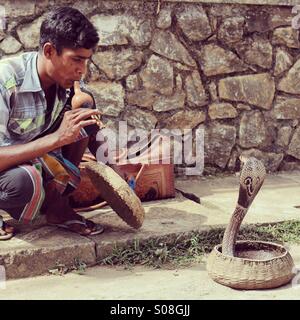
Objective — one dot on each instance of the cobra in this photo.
(249, 264)
(251, 179)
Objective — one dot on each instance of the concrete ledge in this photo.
(162, 220)
(34, 253)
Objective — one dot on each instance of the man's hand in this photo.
(71, 124)
(67, 133)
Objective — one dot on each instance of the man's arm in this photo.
(67, 133)
(14, 155)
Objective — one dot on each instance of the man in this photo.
(39, 164)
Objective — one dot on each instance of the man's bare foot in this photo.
(59, 212)
(75, 223)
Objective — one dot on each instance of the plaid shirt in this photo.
(24, 116)
(23, 105)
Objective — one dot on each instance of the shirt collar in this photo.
(31, 81)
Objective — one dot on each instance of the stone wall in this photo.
(231, 69)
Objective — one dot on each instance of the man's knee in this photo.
(19, 185)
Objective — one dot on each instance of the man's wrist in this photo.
(53, 141)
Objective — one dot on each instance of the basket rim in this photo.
(218, 246)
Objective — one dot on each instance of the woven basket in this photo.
(240, 272)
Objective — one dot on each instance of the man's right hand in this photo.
(71, 124)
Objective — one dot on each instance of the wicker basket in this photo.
(240, 272)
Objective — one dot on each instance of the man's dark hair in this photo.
(66, 27)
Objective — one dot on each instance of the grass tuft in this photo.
(188, 248)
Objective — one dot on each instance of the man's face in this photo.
(69, 66)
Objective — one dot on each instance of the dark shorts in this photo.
(21, 192)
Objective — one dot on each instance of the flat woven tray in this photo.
(117, 193)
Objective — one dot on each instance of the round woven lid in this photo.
(117, 193)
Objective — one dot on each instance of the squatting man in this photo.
(42, 140)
